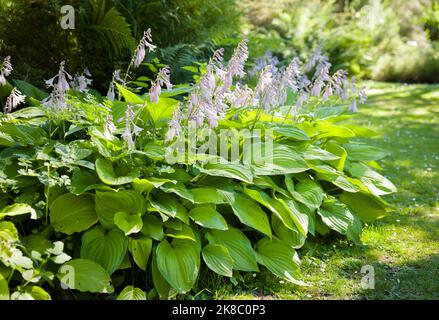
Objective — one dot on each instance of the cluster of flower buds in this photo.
(146, 42)
(5, 70)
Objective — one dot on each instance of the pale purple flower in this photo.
(5, 70)
(163, 78)
(60, 85)
(353, 105)
(131, 129)
(81, 82)
(145, 42)
(117, 77)
(154, 92)
(110, 94)
(363, 95)
(267, 60)
(242, 96)
(109, 128)
(175, 124)
(238, 59)
(14, 99)
(314, 59)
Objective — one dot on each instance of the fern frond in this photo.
(110, 27)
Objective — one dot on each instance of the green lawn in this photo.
(403, 248)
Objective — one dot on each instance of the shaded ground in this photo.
(403, 248)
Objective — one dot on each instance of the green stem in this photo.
(47, 195)
(10, 275)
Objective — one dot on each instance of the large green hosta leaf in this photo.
(279, 258)
(206, 195)
(140, 248)
(85, 276)
(248, 211)
(308, 192)
(110, 203)
(70, 213)
(152, 227)
(218, 259)
(363, 152)
(291, 132)
(160, 284)
(105, 171)
(336, 216)
(339, 151)
(229, 170)
(206, 216)
(376, 183)
(169, 205)
(179, 189)
(330, 174)
(301, 219)
(281, 159)
(106, 248)
(128, 223)
(239, 246)
(292, 237)
(274, 205)
(179, 263)
(366, 206)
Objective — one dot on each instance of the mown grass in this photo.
(403, 248)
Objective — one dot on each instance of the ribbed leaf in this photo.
(106, 248)
(376, 183)
(280, 159)
(336, 216)
(206, 216)
(70, 213)
(218, 259)
(179, 263)
(362, 152)
(140, 248)
(248, 211)
(109, 203)
(85, 276)
(105, 171)
(279, 258)
(366, 206)
(239, 246)
(131, 293)
(233, 171)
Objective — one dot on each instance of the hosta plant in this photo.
(132, 194)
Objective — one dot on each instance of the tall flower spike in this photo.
(145, 42)
(238, 59)
(56, 99)
(5, 70)
(14, 99)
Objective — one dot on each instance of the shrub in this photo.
(120, 195)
